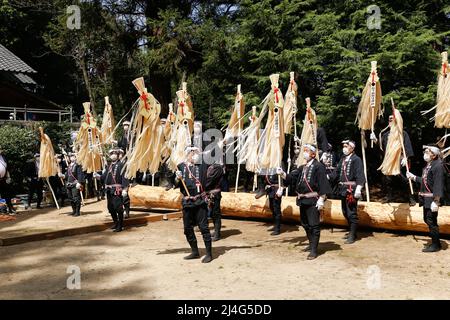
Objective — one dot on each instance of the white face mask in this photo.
(196, 158)
(306, 156)
(426, 157)
(345, 151)
(113, 157)
(73, 159)
(125, 128)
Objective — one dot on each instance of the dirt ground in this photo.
(147, 263)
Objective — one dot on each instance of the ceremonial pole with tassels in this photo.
(396, 116)
(369, 109)
(48, 166)
(239, 108)
(290, 110)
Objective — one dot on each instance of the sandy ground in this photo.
(147, 263)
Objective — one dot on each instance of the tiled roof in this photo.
(24, 78)
(10, 62)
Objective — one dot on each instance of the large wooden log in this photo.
(393, 216)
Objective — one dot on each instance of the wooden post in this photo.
(373, 99)
(363, 150)
(53, 193)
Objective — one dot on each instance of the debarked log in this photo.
(389, 216)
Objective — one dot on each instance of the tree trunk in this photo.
(394, 216)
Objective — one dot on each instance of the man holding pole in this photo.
(191, 178)
(431, 193)
(312, 186)
(349, 174)
(74, 180)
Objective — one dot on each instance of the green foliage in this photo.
(18, 144)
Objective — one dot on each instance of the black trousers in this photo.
(35, 186)
(430, 218)
(216, 215)
(350, 212)
(310, 220)
(275, 207)
(196, 216)
(115, 206)
(126, 204)
(6, 193)
(75, 199)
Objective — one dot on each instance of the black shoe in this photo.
(114, 226)
(432, 248)
(307, 249)
(215, 236)
(193, 255)
(118, 229)
(275, 233)
(412, 202)
(76, 214)
(261, 193)
(345, 237)
(38, 207)
(168, 187)
(350, 240)
(312, 255)
(207, 259)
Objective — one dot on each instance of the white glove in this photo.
(178, 174)
(96, 175)
(60, 175)
(124, 193)
(281, 172)
(8, 180)
(324, 156)
(434, 207)
(410, 176)
(358, 194)
(103, 171)
(320, 203)
(279, 192)
(78, 186)
(404, 162)
(373, 137)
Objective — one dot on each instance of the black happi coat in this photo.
(113, 175)
(431, 181)
(214, 176)
(196, 176)
(354, 171)
(272, 181)
(74, 174)
(309, 178)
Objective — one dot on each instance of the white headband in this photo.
(434, 150)
(350, 143)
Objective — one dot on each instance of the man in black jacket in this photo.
(431, 193)
(116, 188)
(35, 184)
(74, 180)
(214, 176)
(191, 178)
(349, 174)
(312, 186)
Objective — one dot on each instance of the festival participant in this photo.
(126, 198)
(214, 176)
(431, 193)
(35, 184)
(5, 183)
(350, 176)
(74, 179)
(191, 178)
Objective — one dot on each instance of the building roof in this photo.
(10, 62)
